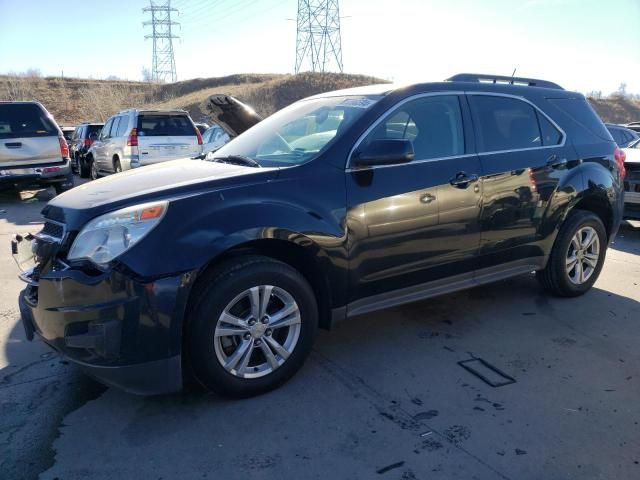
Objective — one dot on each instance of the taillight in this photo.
(88, 142)
(620, 157)
(132, 141)
(199, 135)
(64, 148)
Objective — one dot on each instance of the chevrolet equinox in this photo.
(222, 270)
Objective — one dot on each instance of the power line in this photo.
(164, 64)
(318, 42)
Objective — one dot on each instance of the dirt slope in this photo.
(75, 100)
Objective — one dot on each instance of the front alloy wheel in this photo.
(252, 325)
(257, 331)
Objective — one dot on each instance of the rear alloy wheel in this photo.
(577, 255)
(93, 169)
(253, 324)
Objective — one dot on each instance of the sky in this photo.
(584, 45)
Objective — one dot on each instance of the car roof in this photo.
(463, 82)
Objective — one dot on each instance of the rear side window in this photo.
(582, 113)
(433, 124)
(25, 120)
(163, 125)
(617, 135)
(550, 134)
(504, 123)
(122, 126)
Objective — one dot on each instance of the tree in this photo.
(146, 75)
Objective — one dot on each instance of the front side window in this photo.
(433, 124)
(298, 133)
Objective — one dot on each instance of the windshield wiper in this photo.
(238, 160)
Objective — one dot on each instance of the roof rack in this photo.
(485, 78)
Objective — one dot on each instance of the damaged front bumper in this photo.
(124, 331)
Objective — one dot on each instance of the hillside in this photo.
(75, 100)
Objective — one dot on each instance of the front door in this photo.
(415, 223)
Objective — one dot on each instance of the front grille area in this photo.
(53, 229)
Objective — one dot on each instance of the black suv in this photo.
(336, 206)
(82, 139)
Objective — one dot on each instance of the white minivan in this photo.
(135, 138)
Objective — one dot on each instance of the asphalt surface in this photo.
(382, 396)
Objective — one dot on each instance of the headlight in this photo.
(110, 235)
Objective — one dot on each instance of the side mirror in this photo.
(384, 152)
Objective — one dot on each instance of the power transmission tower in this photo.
(318, 37)
(164, 64)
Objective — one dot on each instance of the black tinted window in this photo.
(433, 124)
(156, 125)
(550, 134)
(581, 112)
(24, 120)
(92, 129)
(504, 123)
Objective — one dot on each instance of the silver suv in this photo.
(135, 138)
(33, 151)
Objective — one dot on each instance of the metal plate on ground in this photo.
(487, 372)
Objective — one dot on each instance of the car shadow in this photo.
(628, 239)
(23, 208)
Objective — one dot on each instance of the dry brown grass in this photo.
(75, 100)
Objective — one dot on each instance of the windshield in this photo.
(299, 132)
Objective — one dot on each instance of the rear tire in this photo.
(577, 256)
(85, 169)
(117, 168)
(93, 169)
(63, 187)
(222, 326)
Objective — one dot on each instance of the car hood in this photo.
(633, 155)
(164, 180)
(231, 114)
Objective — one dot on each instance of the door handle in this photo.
(462, 180)
(555, 162)
(427, 198)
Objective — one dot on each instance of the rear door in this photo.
(100, 145)
(166, 136)
(28, 136)
(524, 158)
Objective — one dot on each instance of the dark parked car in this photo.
(33, 151)
(635, 126)
(621, 135)
(67, 132)
(223, 270)
(82, 139)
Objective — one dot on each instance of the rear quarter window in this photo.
(162, 125)
(19, 120)
(579, 110)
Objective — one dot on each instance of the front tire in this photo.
(252, 326)
(577, 256)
